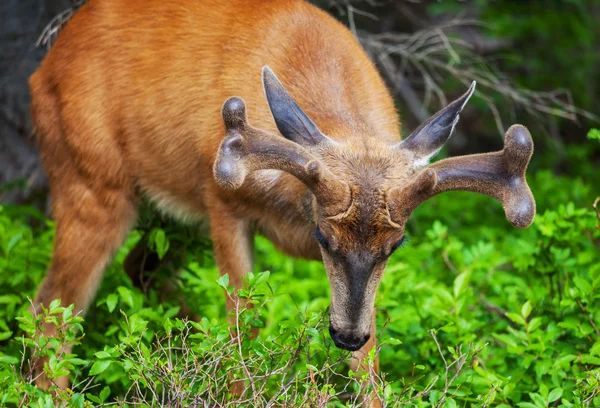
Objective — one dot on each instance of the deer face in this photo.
(355, 250)
(356, 243)
(363, 197)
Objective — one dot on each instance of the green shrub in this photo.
(471, 313)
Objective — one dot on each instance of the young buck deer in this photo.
(138, 99)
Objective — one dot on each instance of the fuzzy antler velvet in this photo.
(246, 149)
(500, 175)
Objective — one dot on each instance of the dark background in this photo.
(536, 62)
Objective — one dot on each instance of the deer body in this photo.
(184, 60)
(129, 103)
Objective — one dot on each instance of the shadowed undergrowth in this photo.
(470, 313)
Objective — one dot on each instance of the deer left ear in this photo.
(431, 136)
(292, 122)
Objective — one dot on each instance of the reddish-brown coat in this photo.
(128, 101)
(128, 104)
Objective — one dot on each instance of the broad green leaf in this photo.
(111, 301)
(99, 367)
(223, 281)
(103, 355)
(104, 393)
(526, 309)
(460, 284)
(555, 394)
(517, 318)
(449, 403)
(161, 242)
(9, 360)
(125, 295)
(534, 324)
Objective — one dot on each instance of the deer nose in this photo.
(347, 341)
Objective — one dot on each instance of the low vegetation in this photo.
(471, 313)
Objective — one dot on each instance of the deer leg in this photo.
(91, 224)
(359, 363)
(233, 245)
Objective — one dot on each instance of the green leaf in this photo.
(449, 403)
(111, 301)
(126, 296)
(67, 313)
(104, 393)
(100, 367)
(103, 354)
(590, 360)
(93, 398)
(526, 309)
(76, 400)
(13, 242)
(78, 361)
(538, 400)
(161, 243)
(9, 360)
(55, 304)
(534, 324)
(517, 318)
(555, 394)
(223, 281)
(583, 285)
(593, 134)
(262, 277)
(460, 284)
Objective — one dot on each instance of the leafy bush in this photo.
(471, 313)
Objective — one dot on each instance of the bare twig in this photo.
(459, 363)
(431, 54)
(50, 32)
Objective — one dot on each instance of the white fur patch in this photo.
(169, 205)
(421, 162)
(269, 177)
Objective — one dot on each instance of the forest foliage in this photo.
(471, 313)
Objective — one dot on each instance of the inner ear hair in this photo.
(427, 140)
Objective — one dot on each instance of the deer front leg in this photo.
(91, 224)
(359, 364)
(232, 239)
(233, 245)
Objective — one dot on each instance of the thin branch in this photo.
(431, 54)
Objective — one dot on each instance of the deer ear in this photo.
(431, 136)
(291, 121)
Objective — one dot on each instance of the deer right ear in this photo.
(427, 140)
(291, 121)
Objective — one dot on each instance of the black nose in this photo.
(348, 342)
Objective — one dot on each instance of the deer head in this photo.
(362, 197)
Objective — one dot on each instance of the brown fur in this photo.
(128, 103)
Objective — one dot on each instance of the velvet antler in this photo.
(246, 149)
(500, 175)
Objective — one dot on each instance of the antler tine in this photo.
(246, 149)
(500, 175)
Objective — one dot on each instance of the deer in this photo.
(259, 116)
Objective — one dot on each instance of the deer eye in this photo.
(321, 239)
(398, 244)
